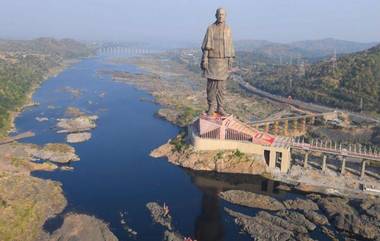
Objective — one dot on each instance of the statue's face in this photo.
(221, 16)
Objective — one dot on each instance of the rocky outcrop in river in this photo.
(55, 152)
(294, 219)
(78, 137)
(78, 127)
(159, 215)
(348, 219)
(77, 124)
(252, 200)
(84, 228)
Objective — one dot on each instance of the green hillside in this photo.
(354, 77)
(25, 64)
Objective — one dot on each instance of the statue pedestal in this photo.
(211, 133)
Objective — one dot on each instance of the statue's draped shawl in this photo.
(208, 42)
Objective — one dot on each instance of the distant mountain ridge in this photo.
(329, 45)
(65, 48)
(302, 49)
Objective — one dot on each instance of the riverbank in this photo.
(13, 114)
(27, 202)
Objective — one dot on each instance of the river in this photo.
(116, 174)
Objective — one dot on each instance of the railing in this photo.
(333, 148)
(308, 116)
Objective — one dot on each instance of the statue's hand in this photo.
(229, 64)
(204, 65)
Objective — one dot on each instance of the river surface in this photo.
(116, 174)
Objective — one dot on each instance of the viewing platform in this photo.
(211, 133)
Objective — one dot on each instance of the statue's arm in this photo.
(204, 61)
(230, 63)
(232, 51)
(205, 47)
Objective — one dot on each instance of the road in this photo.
(357, 117)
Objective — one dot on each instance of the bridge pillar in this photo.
(272, 160)
(305, 164)
(362, 171)
(312, 120)
(266, 129)
(303, 124)
(343, 168)
(295, 124)
(286, 127)
(275, 127)
(324, 164)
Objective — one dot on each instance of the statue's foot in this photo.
(211, 112)
(222, 112)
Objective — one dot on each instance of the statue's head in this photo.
(220, 15)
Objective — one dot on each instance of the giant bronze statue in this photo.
(218, 53)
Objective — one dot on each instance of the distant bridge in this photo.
(120, 50)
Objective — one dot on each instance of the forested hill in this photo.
(65, 48)
(309, 49)
(352, 79)
(325, 47)
(25, 64)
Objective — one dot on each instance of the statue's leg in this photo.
(220, 97)
(211, 95)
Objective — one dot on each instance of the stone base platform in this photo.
(228, 133)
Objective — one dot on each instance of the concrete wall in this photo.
(203, 144)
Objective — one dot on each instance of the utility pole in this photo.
(333, 61)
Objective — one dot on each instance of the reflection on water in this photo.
(221, 182)
(209, 224)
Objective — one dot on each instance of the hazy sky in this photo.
(186, 20)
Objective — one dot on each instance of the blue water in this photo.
(116, 174)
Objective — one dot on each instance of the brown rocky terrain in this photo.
(82, 227)
(26, 203)
(78, 126)
(20, 157)
(294, 219)
(159, 215)
(184, 155)
(252, 200)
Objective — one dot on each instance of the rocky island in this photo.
(77, 127)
